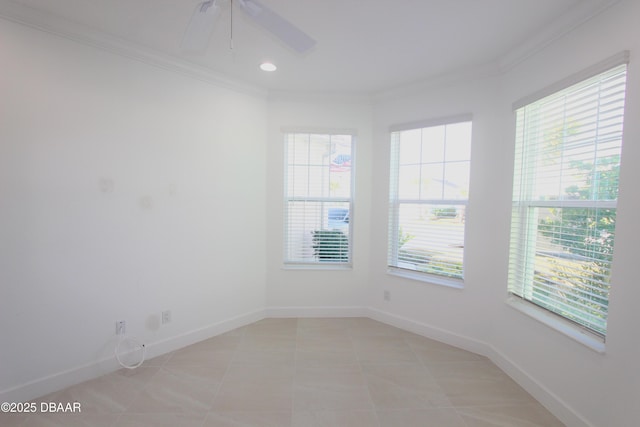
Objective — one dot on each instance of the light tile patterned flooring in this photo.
(338, 372)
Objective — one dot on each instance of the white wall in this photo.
(125, 190)
(604, 389)
(317, 291)
(451, 309)
(580, 385)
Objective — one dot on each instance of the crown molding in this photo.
(85, 35)
(319, 97)
(469, 73)
(561, 26)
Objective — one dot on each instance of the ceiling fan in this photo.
(206, 13)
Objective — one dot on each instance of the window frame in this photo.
(317, 264)
(395, 202)
(524, 220)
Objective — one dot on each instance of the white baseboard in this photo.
(60, 380)
(67, 378)
(317, 312)
(549, 400)
(438, 334)
(174, 343)
(543, 395)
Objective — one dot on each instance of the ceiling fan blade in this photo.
(198, 34)
(277, 25)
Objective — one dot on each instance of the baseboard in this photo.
(438, 334)
(60, 380)
(317, 312)
(174, 343)
(67, 378)
(549, 400)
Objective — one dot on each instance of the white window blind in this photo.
(318, 198)
(568, 147)
(429, 190)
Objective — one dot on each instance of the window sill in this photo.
(554, 322)
(317, 266)
(426, 278)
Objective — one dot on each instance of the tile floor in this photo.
(303, 372)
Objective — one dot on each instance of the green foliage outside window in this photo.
(587, 235)
(331, 245)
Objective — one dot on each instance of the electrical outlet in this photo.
(387, 295)
(121, 327)
(166, 316)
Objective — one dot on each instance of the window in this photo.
(429, 190)
(318, 199)
(568, 147)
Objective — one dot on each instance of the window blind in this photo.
(429, 189)
(318, 198)
(568, 147)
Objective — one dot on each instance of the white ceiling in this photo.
(363, 46)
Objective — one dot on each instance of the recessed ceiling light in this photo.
(268, 66)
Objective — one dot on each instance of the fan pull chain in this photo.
(231, 31)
